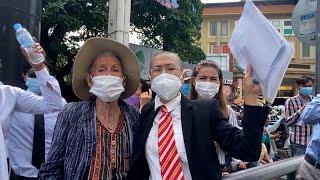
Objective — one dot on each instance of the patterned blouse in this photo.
(111, 158)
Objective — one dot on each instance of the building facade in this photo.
(219, 20)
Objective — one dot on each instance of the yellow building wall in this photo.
(206, 39)
(291, 74)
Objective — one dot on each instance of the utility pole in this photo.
(119, 20)
(318, 50)
(306, 26)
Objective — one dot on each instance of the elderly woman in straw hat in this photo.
(93, 137)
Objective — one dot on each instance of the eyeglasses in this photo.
(169, 68)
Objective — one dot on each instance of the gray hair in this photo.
(175, 55)
(104, 54)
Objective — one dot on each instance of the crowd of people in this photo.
(171, 127)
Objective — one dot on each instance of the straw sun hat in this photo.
(93, 47)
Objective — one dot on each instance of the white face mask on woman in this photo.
(107, 88)
(207, 90)
(167, 86)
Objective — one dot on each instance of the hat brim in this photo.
(93, 47)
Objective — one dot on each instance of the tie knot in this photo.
(164, 109)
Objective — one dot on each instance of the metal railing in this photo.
(270, 171)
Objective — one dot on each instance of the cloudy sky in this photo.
(213, 1)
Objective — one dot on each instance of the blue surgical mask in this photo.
(306, 91)
(33, 85)
(185, 89)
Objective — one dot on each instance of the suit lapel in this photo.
(146, 119)
(186, 121)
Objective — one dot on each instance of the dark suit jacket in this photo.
(202, 124)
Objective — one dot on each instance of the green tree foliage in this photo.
(65, 23)
(60, 19)
(171, 29)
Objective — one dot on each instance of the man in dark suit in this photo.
(176, 140)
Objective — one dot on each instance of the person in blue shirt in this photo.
(310, 166)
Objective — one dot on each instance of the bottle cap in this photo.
(17, 26)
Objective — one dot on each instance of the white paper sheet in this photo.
(255, 41)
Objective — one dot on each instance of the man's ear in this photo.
(89, 80)
(193, 80)
(180, 76)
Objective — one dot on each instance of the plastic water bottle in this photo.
(26, 41)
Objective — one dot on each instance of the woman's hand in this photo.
(251, 90)
(184, 74)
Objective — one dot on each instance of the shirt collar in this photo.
(301, 99)
(171, 105)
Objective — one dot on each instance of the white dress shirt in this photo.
(15, 99)
(20, 141)
(152, 155)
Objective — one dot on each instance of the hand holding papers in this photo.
(255, 41)
(251, 90)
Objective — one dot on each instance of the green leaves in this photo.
(170, 29)
(65, 24)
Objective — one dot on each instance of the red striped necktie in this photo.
(170, 164)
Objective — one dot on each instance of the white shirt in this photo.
(15, 99)
(233, 118)
(152, 155)
(20, 141)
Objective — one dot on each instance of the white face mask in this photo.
(207, 90)
(167, 86)
(107, 88)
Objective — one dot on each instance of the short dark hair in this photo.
(303, 80)
(27, 70)
(31, 73)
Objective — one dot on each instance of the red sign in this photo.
(226, 49)
(216, 49)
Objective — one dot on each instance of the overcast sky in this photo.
(213, 1)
